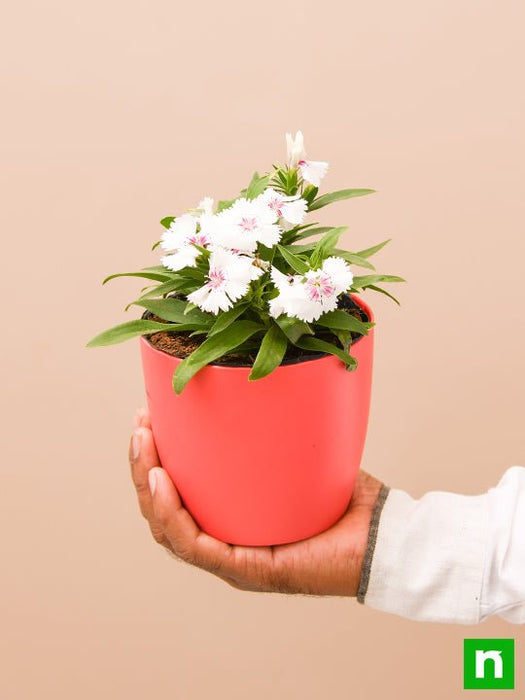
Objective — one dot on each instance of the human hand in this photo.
(326, 564)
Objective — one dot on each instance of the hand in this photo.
(327, 564)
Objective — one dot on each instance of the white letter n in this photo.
(482, 656)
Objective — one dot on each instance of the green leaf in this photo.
(257, 185)
(213, 348)
(295, 263)
(228, 317)
(165, 288)
(157, 276)
(167, 221)
(319, 230)
(310, 193)
(368, 252)
(162, 269)
(345, 338)
(174, 310)
(271, 353)
(325, 246)
(155, 245)
(366, 280)
(336, 197)
(341, 320)
(353, 258)
(202, 251)
(383, 291)
(130, 329)
(191, 273)
(293, 328)
(299, 248)
(224, 204)
(319, 345)
(189, 307)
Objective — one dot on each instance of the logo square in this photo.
(488, 664)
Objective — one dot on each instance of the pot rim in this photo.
(293, 361)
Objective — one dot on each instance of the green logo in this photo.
(488, 663)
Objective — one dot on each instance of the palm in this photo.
(327, 564)
(301, 567)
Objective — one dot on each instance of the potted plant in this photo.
(257, 356)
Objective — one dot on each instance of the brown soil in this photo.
(181, 344)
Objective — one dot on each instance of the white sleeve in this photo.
(448, 557)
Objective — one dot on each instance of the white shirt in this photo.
(447, 557)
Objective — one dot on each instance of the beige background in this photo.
(117, 113)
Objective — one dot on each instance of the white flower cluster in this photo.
(232, 237)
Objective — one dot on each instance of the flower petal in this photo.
(313, 171)
(340, 272)
(183, 257)
(295, 211)
(295, 149)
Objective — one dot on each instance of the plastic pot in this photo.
(268, 461)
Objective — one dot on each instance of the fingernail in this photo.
(136, 441)
(152, 479)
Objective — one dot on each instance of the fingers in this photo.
(173, 526)
(186, 539)
(143, 457)
(142, 418)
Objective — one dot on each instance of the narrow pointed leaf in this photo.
(353, 258)
(271, 353)
(167, 221)
(161, 269)
(368, 252)
(211, 349)
(383, 291)
(175, 310)
(224, 204)
(257, 186)
(336, 197)
(366, 280)
(164, 288)
(310, 193)
(132, 329)
(295, 263)
(318, 230)
(325, 246)
(228, 317)
(157, 276)
(293, 328)
(318, 345)
(340, 320)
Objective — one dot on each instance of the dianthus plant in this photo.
(252, 276)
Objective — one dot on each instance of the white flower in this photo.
(177, 241)
(312, 171)
(194, 227)
(291, 299)
(309, 296)
(205, 205)
(229, 277)
(295, 149)
(246, 223)
(291, 209)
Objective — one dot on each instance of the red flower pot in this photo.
(268, 461)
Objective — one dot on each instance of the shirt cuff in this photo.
(425, 558)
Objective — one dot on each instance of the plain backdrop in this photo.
(115, 114)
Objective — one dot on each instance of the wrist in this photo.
(368, 499)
